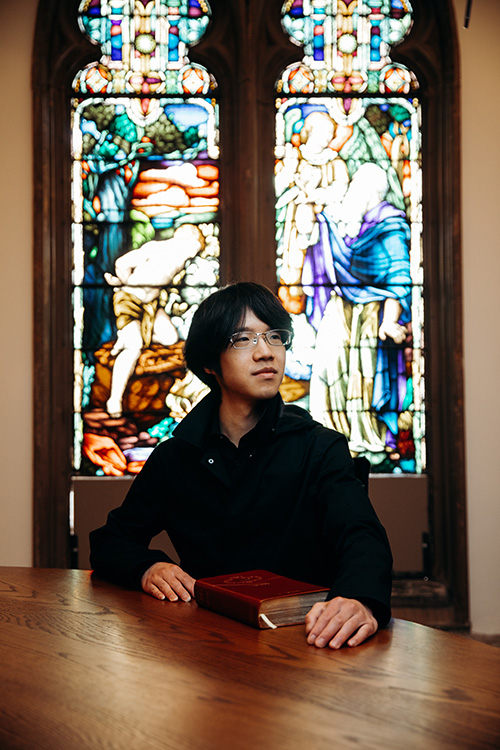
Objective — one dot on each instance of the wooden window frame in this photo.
(246, 49)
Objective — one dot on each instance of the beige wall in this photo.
(480, 60)
(480, 56)
(17, 21)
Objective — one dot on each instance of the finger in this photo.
(174, 582)
(157, 586)
(341, 636)
(313, 615)
(334, 632)
(168, 581)
(329, 618)
(187, 581)
(117, 457)
(172, 591)
(155, 591)
(110, 470)
(152, 589)
(354, 631)
(339, 620)
(179, 589)
(364, 632)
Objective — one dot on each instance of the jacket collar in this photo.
(203, 420)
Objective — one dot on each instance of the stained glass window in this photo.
(145, 225)
(349, 226)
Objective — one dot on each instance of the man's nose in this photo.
(262, 348)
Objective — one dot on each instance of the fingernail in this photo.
(319, 642)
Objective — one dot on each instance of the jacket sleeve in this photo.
(360, 559)
(119, 550)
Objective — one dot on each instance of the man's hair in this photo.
(220, 315)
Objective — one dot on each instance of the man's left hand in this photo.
(339, 621)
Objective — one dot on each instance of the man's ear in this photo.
(214, 374)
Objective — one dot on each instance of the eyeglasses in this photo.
(276, 337)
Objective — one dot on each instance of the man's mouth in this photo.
(266, 372)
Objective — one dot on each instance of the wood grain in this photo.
(85, 664)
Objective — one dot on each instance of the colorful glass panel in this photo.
(145, 226)
(349, 228)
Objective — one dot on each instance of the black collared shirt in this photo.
(235, 457)
(286, 500)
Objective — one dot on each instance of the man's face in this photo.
(255, 373)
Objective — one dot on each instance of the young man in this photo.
(249, 483)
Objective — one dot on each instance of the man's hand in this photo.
(339, 620)
(168, 581)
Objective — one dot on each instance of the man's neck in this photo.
(238, 418)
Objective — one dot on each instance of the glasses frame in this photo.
(253, 342)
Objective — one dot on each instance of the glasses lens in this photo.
(242, 340)
(278, 337)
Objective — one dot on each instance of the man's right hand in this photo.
(168, 581)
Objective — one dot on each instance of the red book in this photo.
(259, 598)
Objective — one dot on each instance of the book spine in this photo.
(227, 603)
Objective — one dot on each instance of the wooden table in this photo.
(87, 665)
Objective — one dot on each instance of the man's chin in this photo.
(266, 393)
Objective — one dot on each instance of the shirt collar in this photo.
(202, 422)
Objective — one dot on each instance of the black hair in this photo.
(220, 315)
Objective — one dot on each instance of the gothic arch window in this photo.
(349, 228)
(145, 226)
(245, 50)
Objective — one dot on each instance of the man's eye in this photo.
(241, 337)
(275, 337)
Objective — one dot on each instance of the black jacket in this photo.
(286, 500)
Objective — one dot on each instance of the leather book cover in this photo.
(258, 597)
